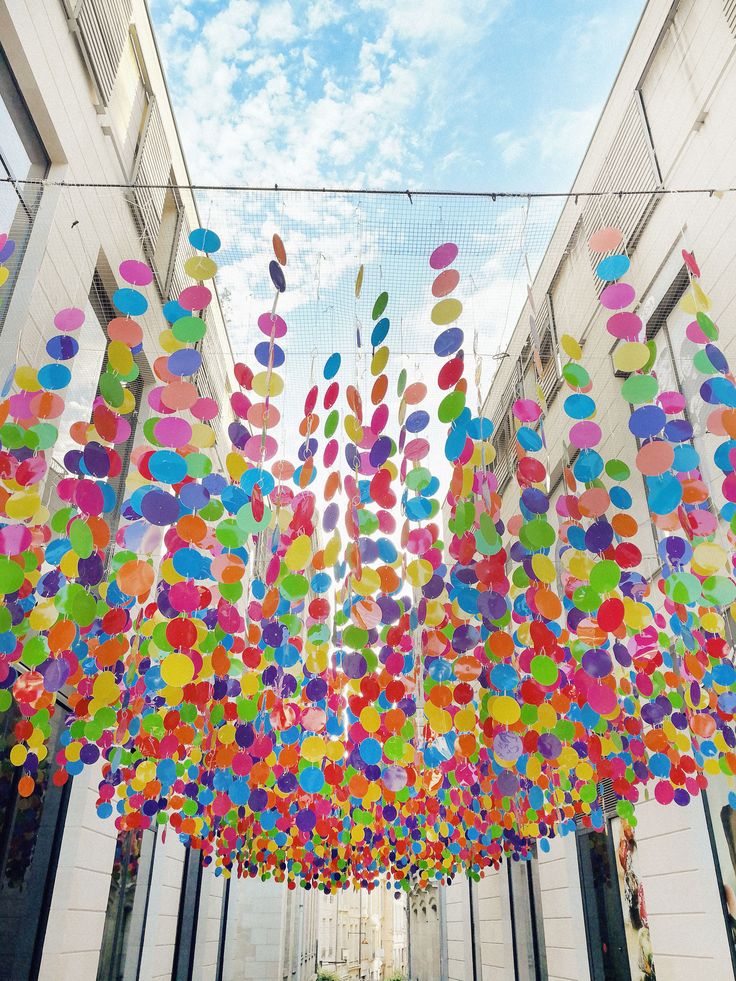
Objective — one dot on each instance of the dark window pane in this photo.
(22, 156)
(186, 927)
(30, 839)
(122, 938)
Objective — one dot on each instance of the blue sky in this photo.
(445, 94)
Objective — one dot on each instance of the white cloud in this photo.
(276, 24)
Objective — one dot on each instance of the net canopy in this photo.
(283, 601)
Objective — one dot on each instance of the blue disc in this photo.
(417, 421)
(131, 303)
(277, 275)
(448, 342)
(61, 347)
(174, 311)
(380, 331)
(54, 376)
(167, 467)
(204, 240)
(261, 353)
(332, 366)
(185, 362)
(614, 267)
(646, 421)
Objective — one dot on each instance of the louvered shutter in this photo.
(103, 29)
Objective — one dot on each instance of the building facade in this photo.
(83, 100)
(362, 935)
(657, 899)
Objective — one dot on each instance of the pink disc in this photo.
(19, 405)
(625, 326)
(195, 297)
(14, 539)
(689, 260)
(174, 432)
(602, 699)
(419, 540)
(184, 597)
(605, 240)
(69, 319)
(260, 414)
(282, 470)
(445, 283)
(125, 330)
(179, 395)
(135, 272)
(268, 324)
(671, 402)
(655, 458)
(155, 400)
(88, 497)
(386, 522)
(694, 333)
(585, 434)
(617, 296)
(443, 255)
(416, 449)
(527, 410)
(330, 453)
(31, 471)
(47, 405)
(205, 409)
(240, 404)
(254, 451)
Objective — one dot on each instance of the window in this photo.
(186, 924)
(31, 830)
(604, 922)
(125, 919)
(527, 924)
(22, 157)
(721, 820)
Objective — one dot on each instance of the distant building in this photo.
(362, 935)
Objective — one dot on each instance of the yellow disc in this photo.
(4, 273)
(370, 719)
(250, 683)
(631, 356)
(708, 558)
(177, 670)
(236, 465)
(359, 282)
(446, 311)
(26, 379)
(571, 347)
(119, 357)
(353, 429)
(264, 386)
(695, 300)
(22, 505)
(203, 436)
(128, 403)
(18, 754)
(43, 616)
(544, 568)
(419, 572)
(332, 549)
(368, 584)
(335, 750)
(465, 719)
(298, 553)
(546, 716)
(317, 661)
(313, 748)
(200, 267)
(169, 343)
(505, 709)
(379, 360)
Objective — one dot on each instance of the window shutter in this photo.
(103, 30)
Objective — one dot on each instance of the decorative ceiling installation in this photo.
(292, 666)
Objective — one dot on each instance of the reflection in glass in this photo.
(22, 157)
(122, 938)
(30, 839)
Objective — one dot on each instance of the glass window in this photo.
(22, 157)
(721, 817)
(125, 918)
(527, 924)
(31, 829)
(604, 923)
(186, 925)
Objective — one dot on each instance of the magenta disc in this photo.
(617, 296)
(443, 255)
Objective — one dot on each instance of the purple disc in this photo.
(380, 451)
(277, 275)
(187, 361)
(160, 508)
(448, 342)
(443, 255)
(617, 296)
